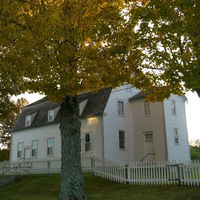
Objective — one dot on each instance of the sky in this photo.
(192, 112)
(192, 115)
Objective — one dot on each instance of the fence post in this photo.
(127, 173)
(92, 165)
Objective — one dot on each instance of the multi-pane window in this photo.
(146, 108)
(50, 115)
(173, 107)
(176, 135)
(121, 139)
(50, 142)
(20, 149)
(34, 148)
(120, 108)
(28, 120)
(88, 142)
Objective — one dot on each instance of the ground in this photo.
(47, 187)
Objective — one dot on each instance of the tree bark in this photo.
(72, 187)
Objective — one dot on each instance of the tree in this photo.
(4, 154)
(195, 149)
(167, 44)
(61, 48)
(10, 110)
(64, 47)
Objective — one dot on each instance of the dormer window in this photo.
(50, 115)
(28, 120)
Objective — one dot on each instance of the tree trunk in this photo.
(71, 173)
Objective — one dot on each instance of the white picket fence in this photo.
(137, 173)
(145, 173)
(164, 173)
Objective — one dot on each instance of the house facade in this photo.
(116, 124)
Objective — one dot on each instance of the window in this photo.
(121, 139)
(28, 120)
(34, 148)
(20, 149)
(176, 135)
(50, 142)
(148, 136)
(120, 107)
(88, 142)
(50, 115)
(146, 108)
(173, 107)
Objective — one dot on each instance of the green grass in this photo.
(46, 187)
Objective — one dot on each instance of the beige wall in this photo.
(92, 125)
(142, 124)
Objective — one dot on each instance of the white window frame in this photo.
(120, 108)
(32, 149)
(20, 150)
(173, 107)
(176, 136)
(28, 120)
(122, 140)
(147, 108)
(52, 152)
(90, 143)
(51, 115)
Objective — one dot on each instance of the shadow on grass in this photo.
(47, 187)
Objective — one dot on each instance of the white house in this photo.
(117, 124)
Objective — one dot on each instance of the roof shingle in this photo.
(95, 106)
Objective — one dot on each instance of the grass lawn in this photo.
(46, 187)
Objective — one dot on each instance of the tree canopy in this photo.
(9, 110)
(167, 41)
(63, 47)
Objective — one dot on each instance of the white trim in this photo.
(124, 140)
(33, 149)
(92, 141)
(121, 111)
(48, 155)
(28, 120)
(18, 157)
(51, 115)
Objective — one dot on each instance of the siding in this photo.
(41, 134)
(113, 123)
(141, 124)
(179, 151)
(90, 125)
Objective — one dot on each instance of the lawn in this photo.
(46, 187)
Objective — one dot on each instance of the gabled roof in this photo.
(95, 106)
(141, 95)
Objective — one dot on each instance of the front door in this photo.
(27, 153)
(149, 154)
